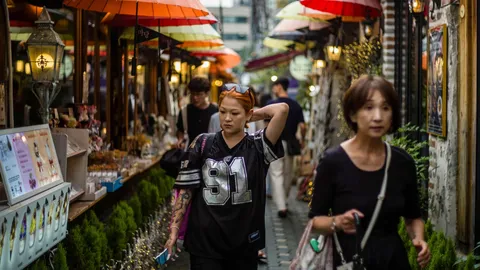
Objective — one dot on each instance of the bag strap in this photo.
(207, 143)
(381, 197)
(376, 212)
(184, 119)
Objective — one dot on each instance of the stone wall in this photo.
(443, 151)
(327, 126)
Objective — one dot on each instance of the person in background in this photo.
(198, 111)
(349, 178)
(281, 171)
(222, 178)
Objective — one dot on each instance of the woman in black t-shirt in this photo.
(349, 178)
(223, 177)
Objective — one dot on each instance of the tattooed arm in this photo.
(184, 197)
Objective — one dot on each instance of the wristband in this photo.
(333, 226)
(171, 227)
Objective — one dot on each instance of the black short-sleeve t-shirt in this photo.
(342, 186)
(227, 216)
(197, 120)
(295, 117)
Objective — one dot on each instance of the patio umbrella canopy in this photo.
(226, 57)
(181, 33)
(352, 8)
(292, 12)
(285, 45)
(287, 25)
(126, 20)
(214, 43)
(152, 8)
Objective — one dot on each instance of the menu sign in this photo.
(28, 161)
(10, 167)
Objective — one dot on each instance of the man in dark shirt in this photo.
(198, 111)
(281, 170)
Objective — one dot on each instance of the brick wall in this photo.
(389, 40)
(389, 47)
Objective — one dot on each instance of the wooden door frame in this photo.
(6, 65)
(467, 125)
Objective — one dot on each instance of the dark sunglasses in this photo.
(242, 89)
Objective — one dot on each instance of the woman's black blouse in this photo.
(342, 186)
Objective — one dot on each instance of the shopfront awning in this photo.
(270, 61)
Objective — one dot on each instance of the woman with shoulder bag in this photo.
(226, 185)
(351, 176)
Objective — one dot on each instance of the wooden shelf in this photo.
(79, 207)
(72, 154)
(154, 162)
(80, 193)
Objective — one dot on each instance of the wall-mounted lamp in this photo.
(416, 6)
(20, 66)
(314, 90)
(318, 66)
(320, 63)
(28, 69)
(178, 66)
(218, 83)
(205, 64)
(334, 52)
(368, 25)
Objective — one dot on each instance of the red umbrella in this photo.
(352, 8)
(125, 20)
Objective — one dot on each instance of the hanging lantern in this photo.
(368, 25)
(334, 52)
(45, 50)
(416, 6)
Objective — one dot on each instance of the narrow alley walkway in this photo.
(282, 235)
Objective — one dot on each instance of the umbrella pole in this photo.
(159, 68)
(134, 73)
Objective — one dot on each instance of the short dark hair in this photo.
(359, 92)
(199, 84)
(284, 82)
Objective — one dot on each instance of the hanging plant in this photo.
(364, 58)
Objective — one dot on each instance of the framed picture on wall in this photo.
(437, 81)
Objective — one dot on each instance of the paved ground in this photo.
(282, 236)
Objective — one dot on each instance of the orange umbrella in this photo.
(201, 43)
(226, 57)
(149, 8)
(125, 20)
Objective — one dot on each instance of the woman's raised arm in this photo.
(277, 113)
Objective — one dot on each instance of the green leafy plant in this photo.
(117, 235)
(403, 139)
(136, 206)
(93, 243)
(442, 248)
(103, 241)
(76, 247)
(126, 212)
(60, 258)
(471, 261)
(150, 198)
(39, 264)
(93, 252)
